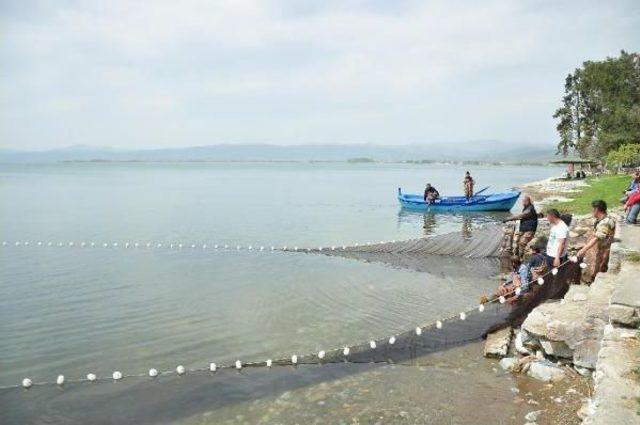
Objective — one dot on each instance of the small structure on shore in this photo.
(571, 163)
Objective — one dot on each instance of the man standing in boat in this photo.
(527, 229)
(468, 186)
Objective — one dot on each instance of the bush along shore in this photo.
(593, 330)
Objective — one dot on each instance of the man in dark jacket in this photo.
(527, 229)
(430, 193)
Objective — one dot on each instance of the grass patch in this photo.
(607, 188)
(634, 257)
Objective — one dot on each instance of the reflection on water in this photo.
(432, 223)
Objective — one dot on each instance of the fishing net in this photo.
(482, 242)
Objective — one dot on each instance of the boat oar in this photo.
(480, 191)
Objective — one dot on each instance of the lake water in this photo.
(72, 310)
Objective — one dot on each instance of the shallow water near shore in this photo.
(72, 310)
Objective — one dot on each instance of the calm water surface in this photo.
(75, 310)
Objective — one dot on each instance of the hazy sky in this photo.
(181, 73)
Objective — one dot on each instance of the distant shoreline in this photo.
(354, 161)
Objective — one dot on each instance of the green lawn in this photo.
(607, 188)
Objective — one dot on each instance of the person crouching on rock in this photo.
(514, 280)
(522, 276)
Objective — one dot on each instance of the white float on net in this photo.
(583, 265)
(269, 362)
(180, 369)
(540, 281)
(321, 354)
(573, 259)
(438, 324)
(418, 330)
(294, 359)
(481, 308)
(213, 367)
(554, 271)
(27, 383)
(60, 380)
(463, 316)
(346, 351)
(117, 375)
(372, 344)
(502, 299)
(392, 340)
(91, 377)
(153, 372)
(238, 364)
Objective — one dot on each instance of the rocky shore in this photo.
(591, 332)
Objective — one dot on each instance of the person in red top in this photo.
(632, 207)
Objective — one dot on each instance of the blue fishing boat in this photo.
(479, 202)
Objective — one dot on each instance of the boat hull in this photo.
(491, 202)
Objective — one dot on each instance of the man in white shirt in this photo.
(558, 238)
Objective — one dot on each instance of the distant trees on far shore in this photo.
(600, 111)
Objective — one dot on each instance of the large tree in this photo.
(601, 107)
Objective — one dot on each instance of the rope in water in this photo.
(294, 359)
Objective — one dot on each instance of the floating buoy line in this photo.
(487, 243)
(178, 246)
(341, 354)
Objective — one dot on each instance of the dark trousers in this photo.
(550, 259)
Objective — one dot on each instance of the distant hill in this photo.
(486, 151)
